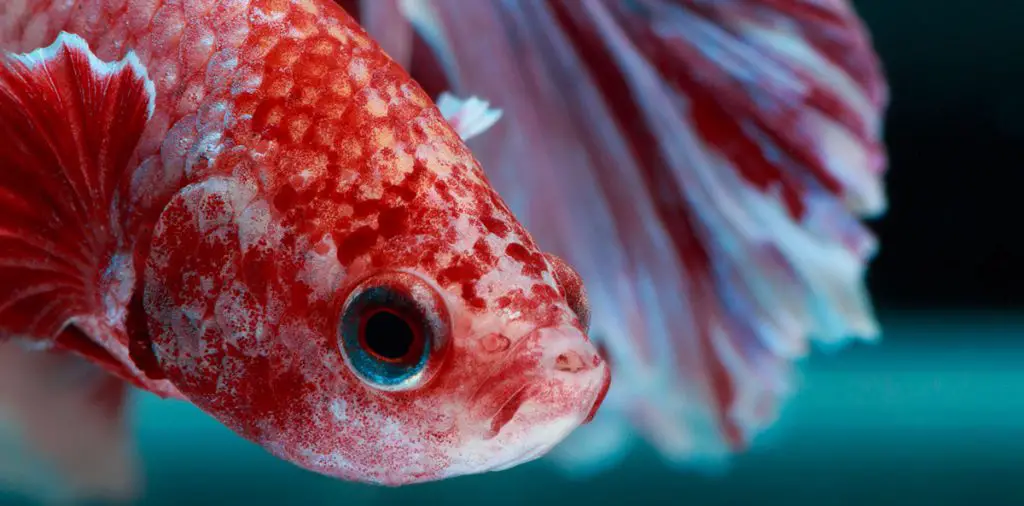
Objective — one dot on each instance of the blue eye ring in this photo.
(393, 331)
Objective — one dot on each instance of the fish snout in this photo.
(552, 381)
(579, 357)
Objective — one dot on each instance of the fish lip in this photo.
(499, 397)
(602, 393)
(508, 410)
(497, 408)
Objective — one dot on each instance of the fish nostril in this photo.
(570, 361)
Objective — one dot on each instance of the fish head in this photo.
(464, 347)
(463, 383)
(382, 320)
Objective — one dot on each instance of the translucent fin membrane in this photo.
(702, 164)
(63, 434)
(470, 117)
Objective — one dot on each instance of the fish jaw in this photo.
(488, 409)
(553, 381)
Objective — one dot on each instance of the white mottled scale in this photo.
(193, 74)
(190, 61)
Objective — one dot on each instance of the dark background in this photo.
(952, 237)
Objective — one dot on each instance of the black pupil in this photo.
(388, 335)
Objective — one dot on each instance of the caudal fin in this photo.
(70, 124)
(703, 165)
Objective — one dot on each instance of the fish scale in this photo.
(704, 164)
(286, 167)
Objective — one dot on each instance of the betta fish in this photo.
(703, 164)
(249, 206)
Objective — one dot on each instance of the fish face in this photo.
(463, 348)
(339, 282)
(411, 333)
(440, 388)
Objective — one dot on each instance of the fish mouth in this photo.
(606, 384)
(507, 411)
(545, 389)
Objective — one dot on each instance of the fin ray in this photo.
(704, 166)
(71, 124)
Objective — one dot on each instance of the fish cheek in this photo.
(207, 326)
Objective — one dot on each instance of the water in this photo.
(934, 415)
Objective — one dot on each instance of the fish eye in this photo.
(393, 331)
(389, 336)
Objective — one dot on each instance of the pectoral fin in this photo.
(70, 124)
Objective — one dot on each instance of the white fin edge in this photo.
(470, 117)
(49, 53)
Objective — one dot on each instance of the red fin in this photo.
(70, 124)
(703, 165)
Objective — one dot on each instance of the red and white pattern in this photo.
(702, 164)
(251, 163)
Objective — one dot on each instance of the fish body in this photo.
(248, 205)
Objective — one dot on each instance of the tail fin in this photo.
(703, 165)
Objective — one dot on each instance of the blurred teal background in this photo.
(906, 422)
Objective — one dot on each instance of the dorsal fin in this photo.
(69, 125)
(470, 117)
